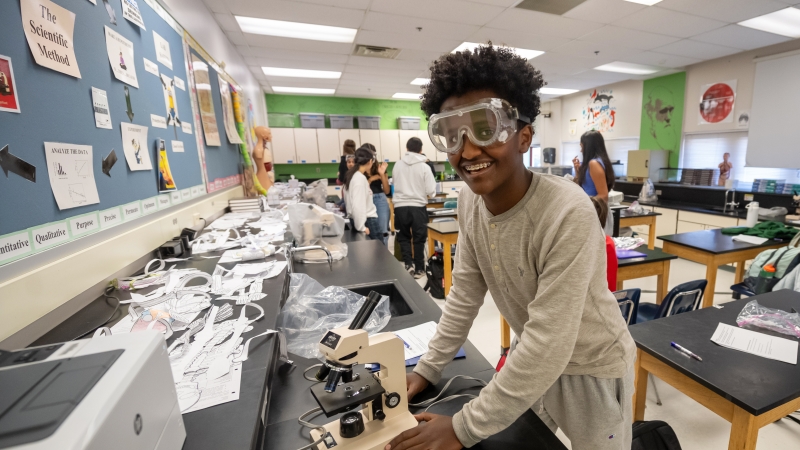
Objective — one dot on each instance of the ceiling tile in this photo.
(562, 60)
(725, 10)
(305, 45)
(503, 3)
(387, 63)
(383, 71)
(458, 11)
(302, 82)
(662, 60)
(575, 83)
(365, 77)
(543, 24)
(606, 53)
(671, 23)
(217, 6)
(740, 37)
(405, 40)
(275, 53)
(519, 39)
(292, 64)
(227, 22)
(425, 56)
(294, 11)
(431, 29)
(694, 49)
(629, 38)
(603, 11)
(352, 4)
(236, 37)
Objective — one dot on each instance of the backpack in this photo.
(654, 435)
(785, 259)
(435, 273)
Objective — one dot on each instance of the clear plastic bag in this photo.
(316, 193)
(312, 310)
(312, 225)
(776, 320)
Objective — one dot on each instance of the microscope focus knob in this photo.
(351, 425)
(392, 400)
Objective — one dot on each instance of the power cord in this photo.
(427, 404)
(323, 431)
(108, 291)
(305, 373)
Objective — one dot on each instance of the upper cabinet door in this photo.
(373, 137)
(390, 145)
(329, 149)
(305, 145)
(283, 146)
(349, 134)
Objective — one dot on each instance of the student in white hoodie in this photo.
(359, 195)
(413, 184)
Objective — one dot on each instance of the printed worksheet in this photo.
(71, 174)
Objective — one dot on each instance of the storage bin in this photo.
(408, 123)
(312, 120)
(340, 121)
(369, 122)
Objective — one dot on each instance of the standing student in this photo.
(359, 196)
(413, 184)
(348, 149)
(528, 240)
(595, 175)
(379, 184)
(350, 160)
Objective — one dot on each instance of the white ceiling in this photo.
(671, 34)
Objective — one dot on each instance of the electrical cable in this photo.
(320, 428)
(108, 291)
(305, 373)
(430, 402)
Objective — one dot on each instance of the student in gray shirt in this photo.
(532, 241)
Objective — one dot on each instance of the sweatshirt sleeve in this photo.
(358, 202)
(570, 250)
(463, 303)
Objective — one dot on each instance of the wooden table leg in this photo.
(640, 393)
(505, 336)
(448, 267)
(431, 245)
(711, 277)
(619, 285)
(651, 238)
(739, 277)
(744, 431)
(662, 282)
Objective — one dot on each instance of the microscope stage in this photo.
(350, 395)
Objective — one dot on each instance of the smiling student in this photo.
(527, 239)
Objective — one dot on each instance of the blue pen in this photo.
(685, 351)
(405, 343)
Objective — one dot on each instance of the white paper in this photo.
(93, 1)
(177, 146)
(170, 104)
(227, 112)
(755, 240)
(219, 391)
(102, 117)
(150, 66)
(179, 84)
(186, 127)
(134, 145)
(120, 56)
(130, 11)
(163, 54)
(158, 121)
(755, 343)
(416, 339)
(48, 29)
(71, 174)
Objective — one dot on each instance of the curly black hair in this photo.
(488, 67)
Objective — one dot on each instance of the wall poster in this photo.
(48, 29)
(134, 145)
(202, 83)
(120, 56)
(662, 114)
(71, 173)
(8, 88)
(227, 112)
(600, 112)
(716, 102)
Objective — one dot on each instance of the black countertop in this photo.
(751, 382)
(713, 241)
(655, 255)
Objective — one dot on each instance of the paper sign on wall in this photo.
(177, 146)
(102, 116)
(134, 144)
(110, 217)
(48, 29)
(84, 224)
(8, 87)
(13, 246)
(150, 66)
(186, 127)
(120, 55)
(227, 112)
(49, 235)
(716, 102)
(71, 174)
(130, 11)
(170, 104)
(158, 121)
(208, 118)
(163, 54)
(179, 84)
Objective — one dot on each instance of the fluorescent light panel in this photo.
(785, 22)
(523, 52)
(644, 2)
(299, 90)
(633, 69)
(300, 73)
(556, 91)
(420, 81)
(407, 96)
(296, 30)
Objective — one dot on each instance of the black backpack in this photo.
(654, 435)
(435, 272)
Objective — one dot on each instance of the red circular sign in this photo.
(717, 103)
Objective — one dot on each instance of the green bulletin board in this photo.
(662, 115)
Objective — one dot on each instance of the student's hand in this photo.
(576, 163)
(366, 231)
(382, 168)
(434, 432)
(415, 383)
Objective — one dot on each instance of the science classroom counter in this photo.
(273, 395)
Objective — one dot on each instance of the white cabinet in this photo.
(329, 149)
(666, 223)
(692, 221)
(305, 145)
(335, 190)
(687, 227)
(373, 137)
(405, 135)
(283, 150)
(390, 145)
(349, 134)
(428, 149)
(452, 188)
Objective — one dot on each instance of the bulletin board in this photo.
(55, 107)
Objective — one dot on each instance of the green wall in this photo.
(389, 110)
(662, 115)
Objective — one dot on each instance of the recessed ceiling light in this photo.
(420, 81)
(644, 2)
(523, 52)
(633, 69)
(300, 73)
(556, 91)
(299, 90)
(296, 30)
(407, 96)
(785, 22)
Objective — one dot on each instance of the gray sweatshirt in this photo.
(544, 263)
(413, 181)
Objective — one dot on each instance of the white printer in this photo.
(109, 392)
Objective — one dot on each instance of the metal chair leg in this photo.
(655, 389)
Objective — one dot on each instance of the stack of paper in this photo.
(758, 344)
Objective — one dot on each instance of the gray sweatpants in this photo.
(594, 413)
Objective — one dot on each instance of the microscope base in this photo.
(375, 436)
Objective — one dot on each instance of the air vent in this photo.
(376, 52)
(558, 7)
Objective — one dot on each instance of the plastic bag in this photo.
(648, 192)
(316, 193)
(312, 310)
(312, 225)
(776, 320)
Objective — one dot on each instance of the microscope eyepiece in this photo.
(362, 316)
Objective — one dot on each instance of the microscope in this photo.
(349, 384)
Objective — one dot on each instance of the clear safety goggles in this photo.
(486, 122)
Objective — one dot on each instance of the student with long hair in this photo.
(348, 149)
(595, 175)
(359, 195)
(379, 184)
